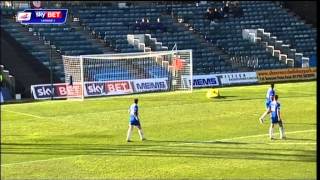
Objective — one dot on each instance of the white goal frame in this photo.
(178, 64)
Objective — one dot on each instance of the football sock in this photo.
(141, 134)
(271, 132)
(129, 133)
(282, 135)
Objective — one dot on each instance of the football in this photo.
(212, 93)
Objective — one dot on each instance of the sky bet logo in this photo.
(42, 16)
(49, 14)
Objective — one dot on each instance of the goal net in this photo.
(127, 73)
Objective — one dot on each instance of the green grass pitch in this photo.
(189, 137)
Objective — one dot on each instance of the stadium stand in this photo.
(116, 31)
(33, 44)
(103, 28)
(43, 40)
(264, 14)
(226, 37)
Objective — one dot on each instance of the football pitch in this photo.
(188, 137)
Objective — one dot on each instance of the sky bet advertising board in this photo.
(102, 88)
(42, 16)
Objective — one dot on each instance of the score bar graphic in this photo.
(42, 16)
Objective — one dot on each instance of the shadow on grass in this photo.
(302, 124)
(196, 142)
(300, 139)
(224, 97)
(158, 149)
(132, 145)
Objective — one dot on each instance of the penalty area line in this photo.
(42, 160)
(26, 114)
(251, 136)
(295, 143)
(261, 135)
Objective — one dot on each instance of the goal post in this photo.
(127, 73)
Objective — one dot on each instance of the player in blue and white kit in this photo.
(271, 92)
(134, 120)
(274, 109)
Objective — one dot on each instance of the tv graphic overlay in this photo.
(42, 16)
(24, 16)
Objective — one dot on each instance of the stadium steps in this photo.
(290, 27)
(281, 50)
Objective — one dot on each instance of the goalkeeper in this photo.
(134, 121)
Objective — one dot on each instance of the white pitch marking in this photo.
(242, 137)
(42, 160)
(294, 143)
(26, 114)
